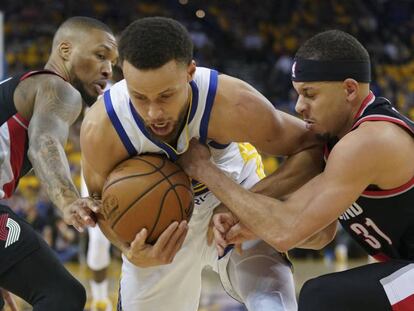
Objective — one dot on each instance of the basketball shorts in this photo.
(260, 278)
(380, 286)
(17, 239)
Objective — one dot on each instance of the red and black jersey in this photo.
(14, 162)
(382, 221)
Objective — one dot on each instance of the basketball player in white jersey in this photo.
(163, 102)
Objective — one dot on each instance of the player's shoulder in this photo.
(371, 140)
(54, 82)
(117, 92)
(380, 133)
(49, 85)
(95, 117)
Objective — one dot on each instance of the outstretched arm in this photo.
(315, 206)
(56, 107)
(291, 175)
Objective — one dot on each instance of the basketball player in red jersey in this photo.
(36, 111)
(367, 183)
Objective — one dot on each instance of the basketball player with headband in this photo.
(367, 183)
(164, 101)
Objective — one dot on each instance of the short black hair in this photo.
(333, 45)
(76, 25)
(151, 42)
(84, 22)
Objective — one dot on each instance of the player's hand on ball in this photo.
(162, 252)
(80, 213)
(194, 160)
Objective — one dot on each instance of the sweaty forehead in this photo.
(154, 81)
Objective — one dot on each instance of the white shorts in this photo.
(177, 286)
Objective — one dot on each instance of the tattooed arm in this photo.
(56, 107)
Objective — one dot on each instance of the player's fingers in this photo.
(139, 242)
(223, 221)
(175, 238)
(77, 223)
(178, 244)
(85, 214)
(218, 220)
(219, 238)
(95, 205)
(165, 236)
(78, 220)
(234, 231)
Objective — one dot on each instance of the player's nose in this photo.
(106, 69)
(300, 106)
(155, 111)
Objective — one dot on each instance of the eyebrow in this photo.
(103, 46)
(308, 88)
(166, 91)
(163, 92)
(108, 49)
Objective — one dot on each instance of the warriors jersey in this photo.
(14, 162)
(137, 139)
(382, 221)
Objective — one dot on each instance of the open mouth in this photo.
(161, 128)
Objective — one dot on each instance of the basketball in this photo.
(146, 191)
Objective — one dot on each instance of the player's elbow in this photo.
(281, 243)
(322, 240)
(327, 236)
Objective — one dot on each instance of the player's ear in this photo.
(64, 50)
(351, 88)
(191, 70)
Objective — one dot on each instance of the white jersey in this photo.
(177, 286)
(137, 140)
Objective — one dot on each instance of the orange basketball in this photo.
(146, 191)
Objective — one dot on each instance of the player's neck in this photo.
(351, 116)
(58, 67)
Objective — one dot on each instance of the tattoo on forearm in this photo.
(57, 105)
(50, 165)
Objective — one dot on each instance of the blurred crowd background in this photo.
(251, 40)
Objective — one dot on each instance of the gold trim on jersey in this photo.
(249, 152)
